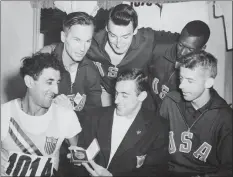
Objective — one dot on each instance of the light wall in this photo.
(16, 42)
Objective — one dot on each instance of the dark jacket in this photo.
(138, 55)
(152, 141)
(206, 146)
(162, 72)
(87, 80)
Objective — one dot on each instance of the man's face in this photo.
(120, 37)
(126, 98)
(188, 44)
(192, 83)
(45, 87)
(77, 41)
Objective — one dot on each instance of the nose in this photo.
(82, 47)
(55, 89)
(117, 99)
(181, 86)
(118, 41)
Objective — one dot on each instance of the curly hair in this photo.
(35, 64)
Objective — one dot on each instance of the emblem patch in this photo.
(50, 145)
(140, 160)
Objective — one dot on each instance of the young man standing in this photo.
(121, 45)
(162, 70)
(33, 127)
(80, 86)
(200, 121)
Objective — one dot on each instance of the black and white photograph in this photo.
(150, 82)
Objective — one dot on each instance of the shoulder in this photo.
(6, 108)
(48, 48)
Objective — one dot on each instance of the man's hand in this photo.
(98, 170)
(63, 100)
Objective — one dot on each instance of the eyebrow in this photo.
(122, 35)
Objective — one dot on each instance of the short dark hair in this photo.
(201, 59)
(136, 75)
(35, 64)
(123, 14)
(198, 28)
(77, 18)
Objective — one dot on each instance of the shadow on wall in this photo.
(15, 87)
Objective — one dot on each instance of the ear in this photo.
(63, 36)
(135, 31)
(209, 82)
(142, 96)
(204, 47)
(29, 81)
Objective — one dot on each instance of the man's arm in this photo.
(73, 141)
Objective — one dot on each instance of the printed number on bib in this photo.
(186, 146)
(29, 165)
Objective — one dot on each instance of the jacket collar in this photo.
(170, 53)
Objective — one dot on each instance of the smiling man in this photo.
(121, 45)
(80, 86)
(132, 140)
(200, 121)
(33, 127)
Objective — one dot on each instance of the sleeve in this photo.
(224, 148)
(156, 162)
(70, 123)
(94, 88)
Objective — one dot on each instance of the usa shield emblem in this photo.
(140, 160)
(50, 145)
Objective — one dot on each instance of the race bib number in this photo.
(20, 164)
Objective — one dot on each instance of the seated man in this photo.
(81, 81)
(162, 72)
(200, 121)
(33, 127)
(132, 140)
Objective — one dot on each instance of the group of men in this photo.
(146, 96)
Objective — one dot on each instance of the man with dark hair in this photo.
(33, 127)
(121, 45)
(200, 121)
(80, 86)
(132, 140)
(162, 69)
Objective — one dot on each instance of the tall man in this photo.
(132, 141)
(80, 86)
(162, 69)
(200, 121)
(33, 127)
(122, 46)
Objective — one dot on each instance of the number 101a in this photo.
(22, 165)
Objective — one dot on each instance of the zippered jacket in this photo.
(205, 147)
